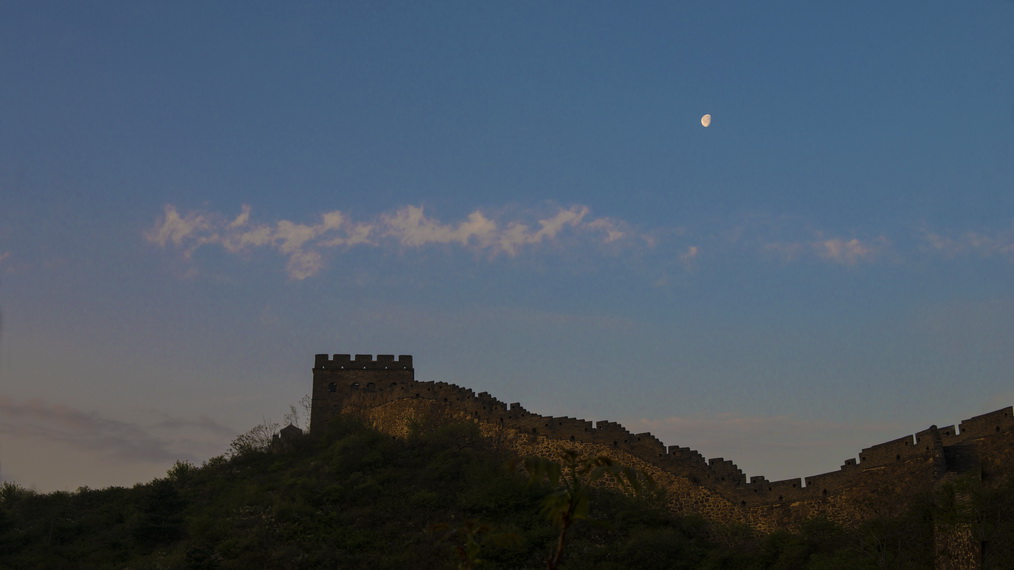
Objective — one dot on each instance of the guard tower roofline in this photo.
(363, 362)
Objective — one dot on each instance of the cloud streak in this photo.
(62, 424)
(995, 244)
(305, 245)
(840, 251)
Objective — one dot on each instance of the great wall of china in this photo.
(885, 475)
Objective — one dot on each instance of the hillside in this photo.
(398, 473)
(357, 498)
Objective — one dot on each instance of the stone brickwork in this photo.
(360, 381)
(885, 476)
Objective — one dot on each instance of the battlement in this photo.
(726, 471)
(894, 450)
(987, 424)
(346, 384)
(363, 362)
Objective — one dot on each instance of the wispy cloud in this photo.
(999, 243)
(306, 245)
(411, 227)
(842, 251)
(59, 423)
(180, 230)
(203, 423)
(689, 254)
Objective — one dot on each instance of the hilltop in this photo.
(889, 477)
(354, 497)
(397, 473)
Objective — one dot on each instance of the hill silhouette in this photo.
(354, 497)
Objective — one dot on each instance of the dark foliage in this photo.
(441, 498)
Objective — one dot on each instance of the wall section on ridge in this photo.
(885, 473)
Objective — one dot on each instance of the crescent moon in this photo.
(706, 120)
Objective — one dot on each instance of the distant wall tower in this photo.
(344, 381)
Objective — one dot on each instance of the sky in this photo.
(197, 197)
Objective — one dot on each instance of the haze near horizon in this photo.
(198, 198)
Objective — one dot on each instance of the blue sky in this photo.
(197, 198)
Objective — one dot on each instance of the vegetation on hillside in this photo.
(442, 498)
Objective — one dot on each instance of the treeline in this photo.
(442, 498)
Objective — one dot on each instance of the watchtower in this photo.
(342, 382)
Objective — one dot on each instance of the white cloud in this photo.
(519, 235)
(690, 254)
(549, 227)
(242, 218)
(841, 251)
(288, 237)
(303, 264)
(1000, 243)
(305, 245)
(611, 228)
(410, 227)
(177, 229)
(299, 242)
(848, 252)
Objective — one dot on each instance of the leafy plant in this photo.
(573, 477)
(470, 538)
(257, 439)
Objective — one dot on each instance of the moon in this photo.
(706, 120)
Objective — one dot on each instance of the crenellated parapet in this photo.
(346, 384)
(727, 472)
(887, 452)
(362, 362)
(342, 379)
(986, 424)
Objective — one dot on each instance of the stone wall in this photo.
(884, 478)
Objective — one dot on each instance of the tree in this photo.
(255, 440)
(469, 539)
(573, 477)
(299, 413)
(160, 514)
